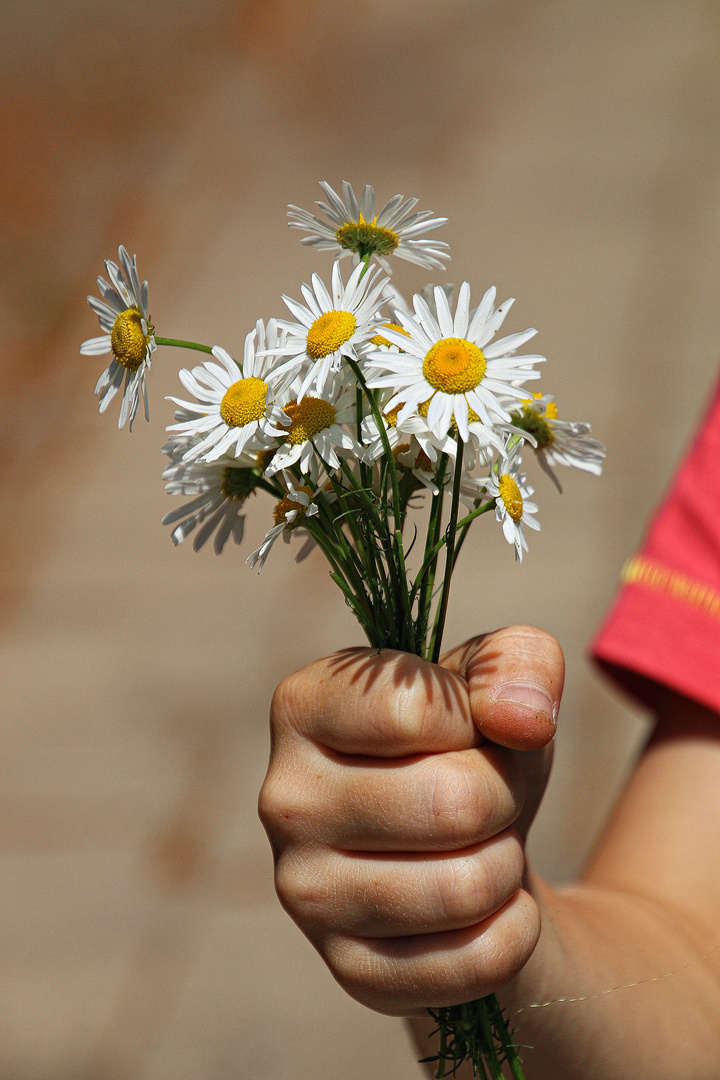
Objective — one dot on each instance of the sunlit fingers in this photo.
(402, 976)
(392, 895)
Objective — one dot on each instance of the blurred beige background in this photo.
(574, 147)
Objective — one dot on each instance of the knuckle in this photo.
(405, 716)
(472, 887)
(280, 810)
(366, 977)
(300, 887)
(463, 890)
(507, 944)
(459, 806)
(464, 806)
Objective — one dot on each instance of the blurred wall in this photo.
(574, 148)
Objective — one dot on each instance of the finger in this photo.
(515, 680)
(396, 895)
(437, 802)
(380, 703)
(402, 976)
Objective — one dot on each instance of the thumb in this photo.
(515, 679)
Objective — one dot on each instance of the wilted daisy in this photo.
(314, 430)
(559, 442)
(353, 228)
(235, 408)
(330, 327)
(289, 512)
(511, 493)
(220, 489)
(454, 363)
(127, 333)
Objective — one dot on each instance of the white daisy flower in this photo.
(220, 489)
(559, 442)
(289, 512)
(353, 228)
(512, 506)
(315, 430)
(454, 363)
(127, 333)
(330, 327)
(235, 409)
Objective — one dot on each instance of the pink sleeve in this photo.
(665, 620)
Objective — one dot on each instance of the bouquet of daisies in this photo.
(349, 413)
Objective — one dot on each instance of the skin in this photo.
(397, 800)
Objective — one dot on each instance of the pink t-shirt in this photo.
(665, 620)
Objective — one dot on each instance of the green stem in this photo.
(182, 344)
(449, 556)
(431, 539)
(490, 1058)
(500, 1027)
(404, 627)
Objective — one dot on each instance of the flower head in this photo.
(127, 333)
(354, 228)
(559, 442)
(454, 363)
(512, 506)
(219, 489)
(235, 409)
(289, 512)
(329, 327)
(315, 431)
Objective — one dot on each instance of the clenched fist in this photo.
(396, 803)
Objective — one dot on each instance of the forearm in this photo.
(623, 955)
(629, 993)
(615, 990)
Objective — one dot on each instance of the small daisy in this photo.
(288, 514)
(559, 442)
(330, 327)
(235, 409)
(353, 228)
(128, 335)
(220, 489)
(315, 430)
(455, 364)
(511, 494)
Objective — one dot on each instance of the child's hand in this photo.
(390, 798)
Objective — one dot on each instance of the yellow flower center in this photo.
(366, 237)
(287, 504)
(392, 415)
(244, 402)
(454, 366)
(510, 495)
(308, 417)
(380, 340)
(127, 340)
(551, 410)
(536, 425)
(329, 332)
